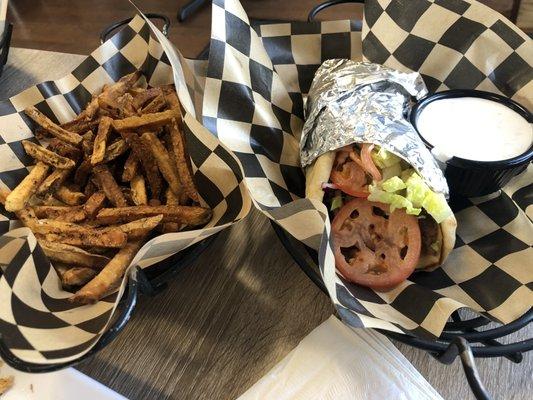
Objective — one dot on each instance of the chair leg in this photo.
(190, 8)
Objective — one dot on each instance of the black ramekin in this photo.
(477, 178)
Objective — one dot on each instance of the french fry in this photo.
(138, 190)
(64, 149)
(144, 155)
(171, 97)
(139, 228)
(130, 167)
(87, 143)
(114, 150)
(144, 96)
(78, 235)
(94, 204)
(53, 181)
(100, 141)
(47, 156)
(50, 200)
(69, 196)
(108, 278)
(18, 198)
(119, 88)
(189, 215)
(109, 186)
(163, 161)
(146, 122)
(77, 276)
(125, 104)
(72, 255)
(60, 213)
(82, 172)
(177, 140)
(82, 125)
(171, 199)
(155, 105)
(51, 127)
(26, 215)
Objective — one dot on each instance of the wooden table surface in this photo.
(230, 317)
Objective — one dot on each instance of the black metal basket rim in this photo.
(451, 330)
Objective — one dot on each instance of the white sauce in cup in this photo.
(475, 129)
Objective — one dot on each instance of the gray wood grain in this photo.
(230, 317)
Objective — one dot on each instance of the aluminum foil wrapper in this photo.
(359, 102)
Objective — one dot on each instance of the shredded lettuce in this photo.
(408, 190)
(394, 200)
(383, 158)
(389, 172)
(393, 184)
(336, 202)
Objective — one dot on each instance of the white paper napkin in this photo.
(336, 362)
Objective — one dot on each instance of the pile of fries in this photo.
(108, 180)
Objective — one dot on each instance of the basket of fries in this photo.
(107, 172)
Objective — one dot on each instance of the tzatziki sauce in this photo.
(475, 129)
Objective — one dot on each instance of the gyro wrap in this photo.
(359, 102)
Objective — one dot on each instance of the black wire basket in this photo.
(459, 338)
(149, 281)
(5, 41)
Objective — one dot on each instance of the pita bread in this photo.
(318, 173)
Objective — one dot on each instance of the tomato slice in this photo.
(368, 163)
(374, 247)
(348, 176)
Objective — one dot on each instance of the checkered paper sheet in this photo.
(454, 44)
(256, 80)
(37, 322)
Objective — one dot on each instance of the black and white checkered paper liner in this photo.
(454, 44)
(256, 79)
(37, 322)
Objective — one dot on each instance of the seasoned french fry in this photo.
(138, 190)
(144, 96)
(64, 149)
(108, 278)
(94, 204)
(130, 167)
(115, 150)
(82, 125)
(156, 105)
(171, 97)
(69, 196)
(26, 215)
(182, 160)
(144, 155)
(146, 122)
(125, 104)
(72, 255)
(141, 227)
(82, 172)
(51, 127)
(100, 141)
(60, 213)
(87, 143)
(171, 199)
(109, 186)
(18, 198)
(119, 88)
(50, 200)
(46, 156)
(53, 181)
(80, 235)
(189, 215)
(77, 276)
(163, 161)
